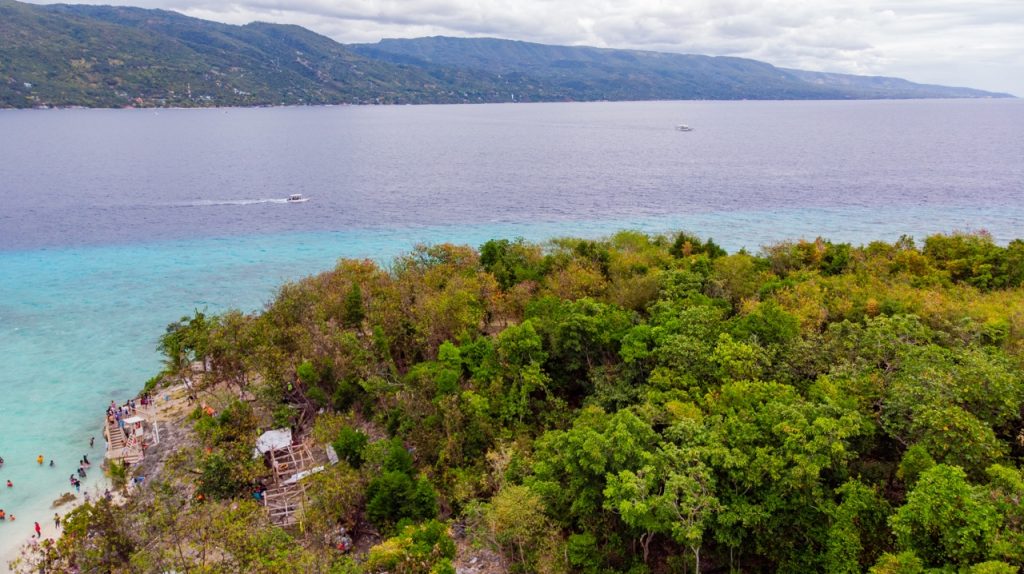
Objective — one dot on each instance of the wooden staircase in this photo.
(120, 447)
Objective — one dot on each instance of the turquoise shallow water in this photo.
(78, 326)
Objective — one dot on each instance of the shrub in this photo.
(217, 479)
(284, 416)
(394, 496)
(350, 446)
(416, 549)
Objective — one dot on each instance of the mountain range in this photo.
(104, 56)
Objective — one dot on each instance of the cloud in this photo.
(956, 42)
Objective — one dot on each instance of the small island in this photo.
(637, 404)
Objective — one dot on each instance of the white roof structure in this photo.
(134, 419)
(273, 440)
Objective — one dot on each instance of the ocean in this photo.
(114, 223)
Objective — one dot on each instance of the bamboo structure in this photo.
(284, 496)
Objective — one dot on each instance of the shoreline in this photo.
(167, 411)
(993, 96)
(47, 527)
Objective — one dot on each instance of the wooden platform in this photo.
(287, 462)
(283, 499)
(283, 502)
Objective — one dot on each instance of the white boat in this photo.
(684, 128)
(297, 198)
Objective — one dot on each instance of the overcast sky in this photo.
(975, 43)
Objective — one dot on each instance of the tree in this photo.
(416, 549)
(1006, 491)
(515, 518)
(993, 567)
(520, 354)
(945, 519)
(511, 262)
(112, 544)
(858, 534)
(736, 277)
(185, 341)
(333, 497)
(578, 336)
(354, 313)
(220, 478)
(350, 445)
(772, 452)
(572, 466)
(673, 495)
(395, 495)
(686, 245)
(956, 437)
(915, 461)
(737, 360)
(902, 563)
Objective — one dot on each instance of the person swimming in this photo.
(40, 459)
(51, 463)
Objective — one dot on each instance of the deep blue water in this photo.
(79, 177)
(114, 223)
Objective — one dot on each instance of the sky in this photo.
(973, 43)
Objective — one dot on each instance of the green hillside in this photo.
(114, 56)
(584, 73)
(634, 405)
(103, 56)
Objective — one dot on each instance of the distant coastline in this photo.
(370, 104)
(111, 57)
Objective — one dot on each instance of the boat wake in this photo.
(214, 202)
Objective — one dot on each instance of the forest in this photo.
(638, 404)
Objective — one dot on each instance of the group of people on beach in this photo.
(4, 517)
(83, 464)
(116, 414)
